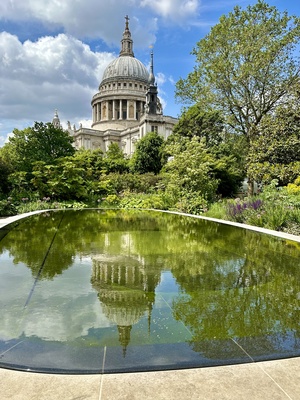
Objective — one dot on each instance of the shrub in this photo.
(192, 203)
(7, 208)
(157, 201)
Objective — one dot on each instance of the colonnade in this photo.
(118, 109)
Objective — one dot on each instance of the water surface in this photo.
(112, 291)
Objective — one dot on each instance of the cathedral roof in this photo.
(126, 65)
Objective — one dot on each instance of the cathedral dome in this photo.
(126, 67)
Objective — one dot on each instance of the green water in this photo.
(105, 291)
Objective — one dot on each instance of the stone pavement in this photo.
(268, 380)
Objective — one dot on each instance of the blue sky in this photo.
(53, 52)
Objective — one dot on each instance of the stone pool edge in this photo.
(280, 234)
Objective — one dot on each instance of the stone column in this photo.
(134, 110)
(114, 110)
(121, 111)
(99, 112)
(94, 113)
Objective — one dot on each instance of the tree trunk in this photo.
(250, 186)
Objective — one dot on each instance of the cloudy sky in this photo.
(53, 52)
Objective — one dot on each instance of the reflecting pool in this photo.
(101, 291)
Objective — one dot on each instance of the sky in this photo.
(53, 52)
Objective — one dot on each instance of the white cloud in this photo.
(95, 18)
(54, 72)
(175, 10)
(160, 79)
(84, 19)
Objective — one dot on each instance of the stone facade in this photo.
(126, 106)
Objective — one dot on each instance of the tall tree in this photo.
(42, 142)
(147, 156)
(115, 160)
(194, 121)
(245, 66)
(275, 153)
(189, 174)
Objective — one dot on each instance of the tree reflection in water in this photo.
(233, 284)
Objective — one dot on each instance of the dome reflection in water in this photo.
(100, 291)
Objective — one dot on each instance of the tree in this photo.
(42, 142)
(5, 170)
(245, 67)
(194, 121)
(227, 148)
(190, 179)
(147, 156)
(275, 153)
(115, 160)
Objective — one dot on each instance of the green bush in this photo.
(7, 208)
(216, 210)
(192, 203)
(157, 201)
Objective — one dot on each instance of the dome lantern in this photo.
(127, 42)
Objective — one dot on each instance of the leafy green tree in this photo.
(63, 181)
(275, 153)
(148, 154)
(190, 179)
(228, 170)
(92, 161)
(115, 160)
(5, 171)
(42, 142)
(227, 148)
(245, 67)
(205, 124)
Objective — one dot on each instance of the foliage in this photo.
(92, 161)
(20, 185)
(114, 160)
(294, 188)
(148, 154)
(62, 181)
(229, 168)
(42, 142)
(217, 210)
(227, 149)
(189, 174)
(245, 66)
(236, 210)
(129, 182)
(191, 203)
(5, 171)
(7, 208)
(275, 208)
(194, 121)
(159, 201)
(275, 152)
